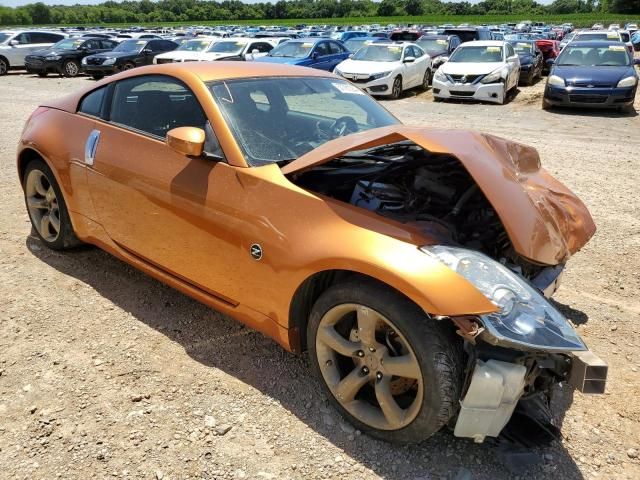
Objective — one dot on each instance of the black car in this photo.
(531, 60)
(469, 34)
(65, 56)
(439, 47)
(129, 54)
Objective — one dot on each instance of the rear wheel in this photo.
(396, 89)
(128, 66)
(4, 66)
(389, 369)
(71, 68)
(46, 206)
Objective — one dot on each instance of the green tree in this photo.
(40, 13)
(414, 7)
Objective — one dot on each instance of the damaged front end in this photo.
(488, 211)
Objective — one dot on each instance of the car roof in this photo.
(598, 43)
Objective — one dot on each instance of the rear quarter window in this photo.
(91, 104)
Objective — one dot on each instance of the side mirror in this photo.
(188, 141)
(147, 51)
(13, 43)
(550, 61)
(315, 55)
(254, 51)
(636, 61)
(409, 59)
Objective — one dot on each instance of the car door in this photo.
(321, 56)
(27, 43)
(173, 212)
(337, 53)
(92, 47)
(513, 65)
(410, 68)
(423, 62)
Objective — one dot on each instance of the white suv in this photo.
(17, 44)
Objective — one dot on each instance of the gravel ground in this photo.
(107, 373)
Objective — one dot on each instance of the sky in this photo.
(17, 3)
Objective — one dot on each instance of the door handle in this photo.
(90, 147)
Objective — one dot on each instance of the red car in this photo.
(550, 50)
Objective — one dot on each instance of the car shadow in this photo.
(592, 112)
(259, 362)
(578, 317)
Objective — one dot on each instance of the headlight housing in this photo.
(556, 81)
(627, 82)
(525, 319)
(337, 71)
(109, 61)
(493, 77)
(53, 57)
(440, 76)
(377, 76)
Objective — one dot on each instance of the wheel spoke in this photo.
(45, 222)
(350, 385)
(55, 221)
(367, 321)
(392, 412)
(37, 184)
(332, 339)
(37, 203)
(403, 366)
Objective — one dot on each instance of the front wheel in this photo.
(396, 89)
(426, 80)
(388, 368)
(71, 68)
(4, 66)
(46, 207)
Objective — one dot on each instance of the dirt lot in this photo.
(106, 373)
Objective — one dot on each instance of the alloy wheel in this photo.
(3, 67)
(397, 88)
(369, 366)
(71, 69)
(42, 204)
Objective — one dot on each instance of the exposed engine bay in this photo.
(432, 192)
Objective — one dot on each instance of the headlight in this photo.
(53, 57)
(556, 81)
(493, 77)
(440, 76)
(525, 318)
(627, 82)
(337, 71)
(377, 76)
(109, 61)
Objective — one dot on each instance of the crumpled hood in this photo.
(545, 221)
(482, 68)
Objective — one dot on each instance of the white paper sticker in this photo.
(347, 88)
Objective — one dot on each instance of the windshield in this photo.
(379, 53)
(194, 45)
(355, 44)
(612, 56)
(233, 47)
(280, 119)
(477, 55)
(292, 50)
(68, 44)
(4, 37)
(130, 46)
(433, 45)
(604, 36)
(522, 47)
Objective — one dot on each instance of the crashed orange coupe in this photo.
(412, 263)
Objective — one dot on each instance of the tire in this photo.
(128, 66)
(42, 74)
(4, 66)
(432, 348)
(97, 77)
(396, 88)
(627, 109)
(70, 68)
(426, 80)
(531, 78)
(46, 200)
(546, 105)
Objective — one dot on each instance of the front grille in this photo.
(469, 78)
(587, 98)
(95, 60)
(164, 60)
(357, 78)
(590, 84)
(459, 93)
(33, 62)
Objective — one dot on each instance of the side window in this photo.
(262, 47)
(107, 44)
(335, 48)
(41, 37)
(510, 51)
(418, 51)
(24, 38)
(408, 52)
(261, 100)
(322, 49)
(166, 45)
(92, 45)
(154, 46)
(91, 104)
(155, 104)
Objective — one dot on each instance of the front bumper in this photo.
(40, 65)
(380, 87)
(491, 92)
(589, 97)
(99, 69)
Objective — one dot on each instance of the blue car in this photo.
(348, 35)
(321, 53)
(594, 74)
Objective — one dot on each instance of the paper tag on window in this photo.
(493, 49)
(441, 42)
(617, 48)
(344, 87)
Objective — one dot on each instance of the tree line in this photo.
(146, 11)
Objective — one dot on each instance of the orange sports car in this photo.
(413, 264)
